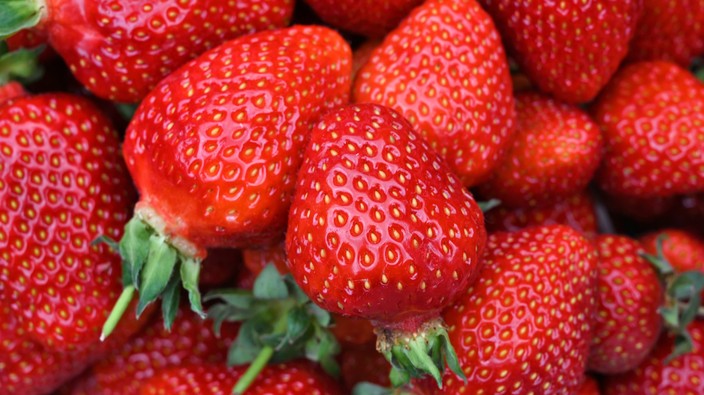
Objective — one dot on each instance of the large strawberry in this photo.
(121, 49)
(525, 326)
(381, 229)
(372, 18)
(569, 48)
(444, 70)
(553, 154)
(652, 118)
(214, 151)
(669, 30)
(627, 324)
(656, 375)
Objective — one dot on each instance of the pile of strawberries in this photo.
(351, 197)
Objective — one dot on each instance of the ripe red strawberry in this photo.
(652, 118)
(589, 387)
(190, 341)
(372, 18)
(444, 70)
(683, 250)
(214, 151)
(576, 211)
(669, 30)
(381, 229)
(11, 90)
(569, 49)
(361, 363)
(525, 326)
(627, 324)
(682, 376)
(121, 49)
(31, 38)
(362, 54)
(285, 379)
(553, 154)
(255, 260)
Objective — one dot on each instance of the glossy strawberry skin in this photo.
(380, 228)
(520, 323)
(444, 70)
(559, 46)
(682, 376)
(220, 171)
(280, 379)
(120, 49)
(652, 119)
(553, 154)
(576, 211)
(628, 323)
(669, 30)
(683, 250)
(371, 18)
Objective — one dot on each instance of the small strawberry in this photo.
(361, 363)
(381, 229)
(287, 379)
(444, 70)
(214, 151)
(371, 18)
(682, 376)
(683, 250)
(589, 387)
(576, 211)
(553, 154)
(652, 118)
(627, 324)
(669, 30)
(525, 326)
(120, 49)
(570, 48)
(31, 38)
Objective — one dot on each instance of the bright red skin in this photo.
(571, 52)
(380, 228)
(522, 294)
(669, 30)
(191, 341)
(11, 90)
(629, 294)
(221, 170)
(652, 119)
(363, 363)
(553, 154)
(120, 49)
(444, 69)
(682, 376)
(257, 259)
(371, 18)
(277, 379)
(576, 211)
(684, 250)
(62, 184)
(589, 387)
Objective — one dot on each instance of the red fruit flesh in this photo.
(371, 18)
(652, 118)
(120, 49)
(628, 322)
(553, 154)
(444, 70)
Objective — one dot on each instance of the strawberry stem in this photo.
(117, 312)
(16, 15)
(253, 370)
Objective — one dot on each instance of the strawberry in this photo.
(627, 323)
(286, 379)
(669, 30)
(682, 376)
(444, 70)
(190, 341)
(213, 173)
(554, 153)
(350, 330)
(683, 250)
(120, 49)
(255, 260)
(381, 229)
(362, 54)
(589, 387)
(652, 118)
(371, 18)
(576, 211)
(11, 90)
(569, 49)
(31, 38)
(361, 363)
(640, 209)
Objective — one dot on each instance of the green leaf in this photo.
(270, 285)
(246, 347)
(170, 301)
(365, 388)
(134, 247)
(489, 204)
(157, 271)
(686, 284)
(107, 240)
(322, 316)
(322, 347)
(21, 65)
(190, 271)
(671, 316)
(16, 15)
(294, 290)
(298, 322)
(683, 345)
(126, 110)
(239, 298)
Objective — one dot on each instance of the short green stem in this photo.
(117, 311)
(253, 371)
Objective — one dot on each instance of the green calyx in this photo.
(489, 204)
(16, 15)
(279, 324)
(419, 353)
(365, 388)
(682, 299)
(154, 268)
(21, 65)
